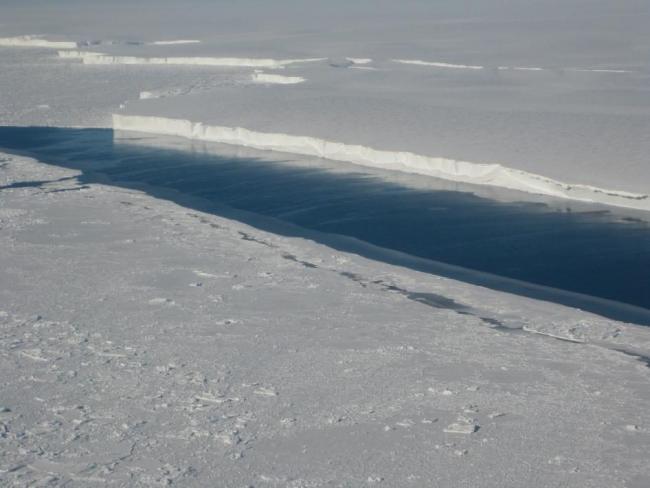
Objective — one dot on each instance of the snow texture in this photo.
(147, 343)
(290, 365)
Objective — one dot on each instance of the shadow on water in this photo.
(582, 255)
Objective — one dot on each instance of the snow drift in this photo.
(454, 170)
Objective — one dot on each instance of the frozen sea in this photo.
(179, 312)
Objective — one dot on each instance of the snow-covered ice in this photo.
(123, 372)
(554, 115)
(36, 41)
(89, 57)
(147, 342)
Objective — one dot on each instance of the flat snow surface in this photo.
(146, 344)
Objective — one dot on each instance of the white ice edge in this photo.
(434, 64)
(598, 70)
(520, 68)
(449, 169)
(271, 79)
(99, 58)
(78, 54)
(176, 42)
(437, 64)
(36, 41)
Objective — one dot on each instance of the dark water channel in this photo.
(579, 247)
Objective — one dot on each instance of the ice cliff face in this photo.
(464, 171)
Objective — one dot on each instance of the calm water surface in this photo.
(585, 248)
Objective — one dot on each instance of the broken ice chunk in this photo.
(462, 426)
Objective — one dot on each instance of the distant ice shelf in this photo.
(88, 57)
(598, 70)
(36, 41)
(436, 64)
(449, 169)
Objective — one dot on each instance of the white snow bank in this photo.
(36, 41)
(99, 58)
(266, 78)
(464, 171)
(436, 64)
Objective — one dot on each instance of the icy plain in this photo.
(537, 101)
(145, 343)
